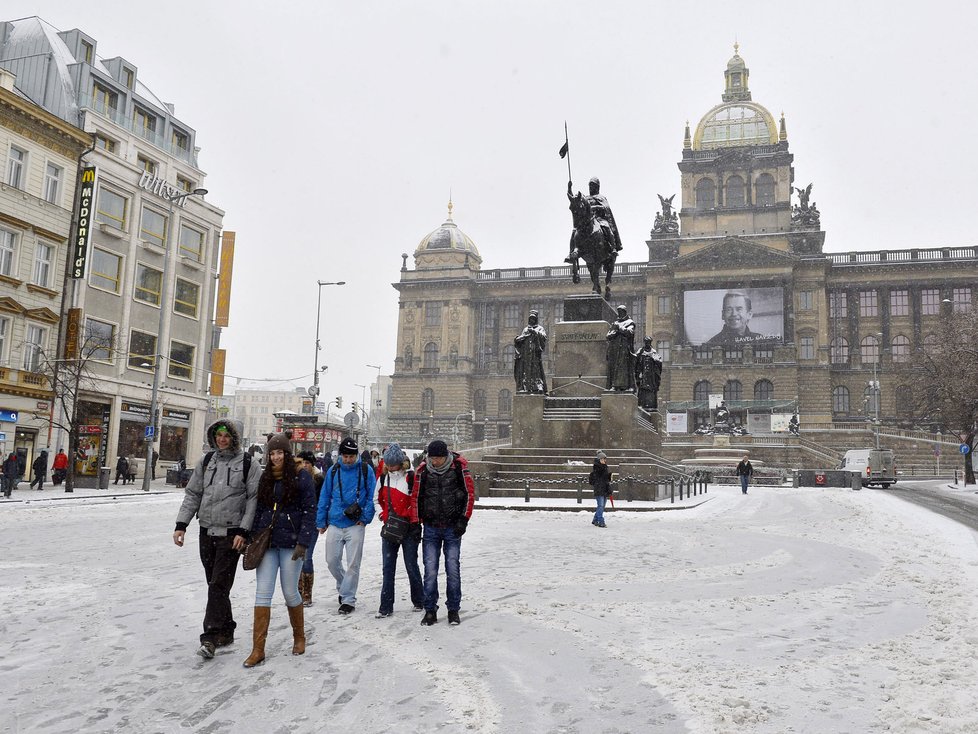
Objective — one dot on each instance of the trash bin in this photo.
(795, 479)
(103, 477)
(857, 480)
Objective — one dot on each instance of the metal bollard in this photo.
(627, 494)
(672, 490)
(580, 492)
(526, 492)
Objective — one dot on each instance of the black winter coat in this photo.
(295, 524)
(600, 479)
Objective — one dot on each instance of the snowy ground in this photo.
(788, 610)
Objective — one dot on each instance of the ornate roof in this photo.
(448, 237)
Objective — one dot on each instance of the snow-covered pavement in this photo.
(786, 610)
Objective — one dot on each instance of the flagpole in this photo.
(567, 144)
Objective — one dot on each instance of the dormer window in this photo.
(88, 52)
(130, 78)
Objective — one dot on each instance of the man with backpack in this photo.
(346, 507)
(223, 494)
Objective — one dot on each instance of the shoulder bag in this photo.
(255, 550)
(395, 527)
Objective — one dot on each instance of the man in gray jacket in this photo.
(223, 494)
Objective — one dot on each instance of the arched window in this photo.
(509, 357)
(901, 348)
(735, 192)
(479, 402)
(869, 350)
(733, 390)
(505, 402)
(428, 401)
(706, 194)
(929, 344)
(430, 355)
(701, 390)
(839, 350)
(840, 399)
(764, 190)
(763, 390)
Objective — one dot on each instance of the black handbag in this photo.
(255, 550)
(396, 528)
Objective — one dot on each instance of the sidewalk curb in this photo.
(584, 508)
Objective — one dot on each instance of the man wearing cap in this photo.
(223, 493)
(446, 494)
(346, 506)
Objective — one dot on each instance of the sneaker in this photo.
(223, 640)
(206, 650)
(418, 608)
(602, 525)
(594, 522)
(346, 608)
(430, 618)
(453, 618)
(383, 615)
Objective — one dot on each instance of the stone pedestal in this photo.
(528, 425)
(580, 347)
(588, 308)
(618, 413)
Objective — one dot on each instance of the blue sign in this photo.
(149, 431)
(964, 448)
(8, 416)
(3, 436)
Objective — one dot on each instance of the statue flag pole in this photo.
(565, 151)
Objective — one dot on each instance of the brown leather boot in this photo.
(306, 589)
(302, 585)
(262, 617)
(297, 618)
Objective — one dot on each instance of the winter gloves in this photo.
(460, 526)
(299, 552)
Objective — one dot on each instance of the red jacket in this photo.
(60, 461)
(401, 494)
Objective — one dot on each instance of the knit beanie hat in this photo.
(279, 442)
(601, 455)
(348, 446)
(437, 448)
(394, 456)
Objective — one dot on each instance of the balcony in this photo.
(22, 382)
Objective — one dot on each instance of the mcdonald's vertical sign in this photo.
(218, 360)
(224, 280)
(83, 231)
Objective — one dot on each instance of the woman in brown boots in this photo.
(287, 503)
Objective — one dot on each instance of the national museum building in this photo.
(737, 294)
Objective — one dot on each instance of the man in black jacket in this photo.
(446, 494)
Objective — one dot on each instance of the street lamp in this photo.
(876, 387)
(314, 390)
(378, 368)
(161, 338)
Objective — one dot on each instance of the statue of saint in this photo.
(721, 422)
(648, 375)
(528, 366)
(621, 355)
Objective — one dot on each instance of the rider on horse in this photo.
(602, 215)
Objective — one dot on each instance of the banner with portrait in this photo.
(733, 317)
(676, 422)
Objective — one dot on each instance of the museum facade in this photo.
(737, 294)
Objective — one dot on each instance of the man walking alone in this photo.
(744, 470)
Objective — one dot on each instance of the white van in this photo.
(875, 466)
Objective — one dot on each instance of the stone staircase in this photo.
(572, 409)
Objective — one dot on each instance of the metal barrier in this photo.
(687, 485)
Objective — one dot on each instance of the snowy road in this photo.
(786, 610)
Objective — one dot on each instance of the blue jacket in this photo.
(343, 486)
(294, 524)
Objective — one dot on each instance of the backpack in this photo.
(210, 454)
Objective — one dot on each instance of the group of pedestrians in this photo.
(298, 503)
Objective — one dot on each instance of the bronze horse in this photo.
(591, 241)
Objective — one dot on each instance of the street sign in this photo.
(8, 416)
(964, 448)
(149, 432)
(351, 419)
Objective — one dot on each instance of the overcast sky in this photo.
(332, 133)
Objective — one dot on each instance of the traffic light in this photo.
(339, 402)
(354, 406)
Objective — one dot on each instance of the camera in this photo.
(354, 512)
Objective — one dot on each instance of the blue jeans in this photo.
(278, 562)
(743, 483)
(307, 566)
(347, 579)
(601, 501)
(436, 539)
(388, 551)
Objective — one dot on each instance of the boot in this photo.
(306, 589)
(302, 585)
(262, 617)
(296, 617)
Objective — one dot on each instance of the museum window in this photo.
(838, 305)
(4, 333)
(505, 402)
(961, 300)
(663, 305)
(839, 350)
(733, 390)
(929, 345)
(511, 316)
(181, 360)
(806, 347)
(479, 402)
(899, 303)
(142, 350)
(186, 298)
(701, 390)
(763, 353)
(840, 399)
(763, 390)
(900, 347)
(152, 227)
(806, 300)
(735, 192)
(430, 356)
(53, 176)
(869, 350)
(509, 358)
(930, 301)
(16, 167)
(106, 270)
(705, 194)
(428, 401)
(664, 348)
(702, 353)
(99, 339)
(733, 353)
(34, 343)
(868, 304)
(764, 190)
(490, 316)
(149, 283)
(8, 251)
(43, 257)
(432, 313)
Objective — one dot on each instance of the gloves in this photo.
(415, 532)
(299, 552)
(460, 526)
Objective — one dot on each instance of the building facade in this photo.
(738, 295)
(145, 157)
